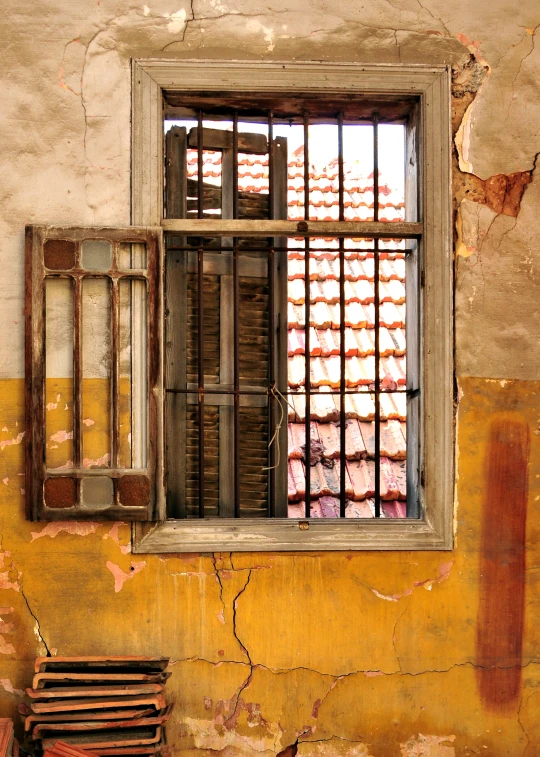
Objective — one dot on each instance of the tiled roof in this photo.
(325, 340)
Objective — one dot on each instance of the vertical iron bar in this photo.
(200, 376)
(236, 316)
(271, 164)
(307, 319)
(235, 165)
(77, 373)
(342, 420)
(200, 313)
(200, 188)
(376, 304)
(236, 326)
(115, 371)
(271, 327)
(272, 382)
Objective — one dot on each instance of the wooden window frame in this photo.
(430, 143)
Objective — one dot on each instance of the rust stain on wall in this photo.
(502, 563)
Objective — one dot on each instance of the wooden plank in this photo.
(413, 295)
(282, 534)
(261, 229)
(218, 264)
(220, 139)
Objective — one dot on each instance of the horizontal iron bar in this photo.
(224, 228)
(265, 392)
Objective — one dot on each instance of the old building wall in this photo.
(345, 653)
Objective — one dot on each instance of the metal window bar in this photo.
(342, 421)
(302, 229)
(236, 326)
(271, 321)
(307, 324)
(377, 323)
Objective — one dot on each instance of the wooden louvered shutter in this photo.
(256, 333)
(94, 409)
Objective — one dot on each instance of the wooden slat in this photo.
(219, 139)
(239, 228)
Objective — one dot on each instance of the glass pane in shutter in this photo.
(59, 373)
(96, 373)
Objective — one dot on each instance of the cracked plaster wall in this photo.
(351, 654)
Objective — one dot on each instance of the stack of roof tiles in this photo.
(105, 705)
(9, 746)
(325, 318)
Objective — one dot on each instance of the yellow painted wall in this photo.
(355, 654)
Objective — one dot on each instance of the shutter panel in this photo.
(94, 415)
(255, 334)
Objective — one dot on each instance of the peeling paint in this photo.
(61, 436)
(6, 684)
(462, 140)
(115, 536)
(177, 21)
(428, 583)
(6, 582)
(75, 528)
(9, 442)
(120, 576)
(428, 746)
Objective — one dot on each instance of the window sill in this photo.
(286, 535)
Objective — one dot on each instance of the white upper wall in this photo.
(65, 125)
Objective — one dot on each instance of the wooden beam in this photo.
(363, 229)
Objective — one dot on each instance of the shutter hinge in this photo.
(422, 478)
(422, 278)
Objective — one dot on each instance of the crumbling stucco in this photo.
(360, 655)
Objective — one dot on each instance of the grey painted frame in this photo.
(431, 84)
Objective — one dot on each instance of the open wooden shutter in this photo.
(256, 335)
(94, 410)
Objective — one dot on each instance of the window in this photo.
(233, 254)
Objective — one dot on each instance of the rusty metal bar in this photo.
(200, 196)
(272, 382)
(271, 164)
(307, 319)
(265, 392)
(200, 376)
(77, 373)
(236, 379)
(342, 419)
(271, 329)
(115, 373)
(236, 323)
(226, 248)
(235, 166)
(377, 324)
